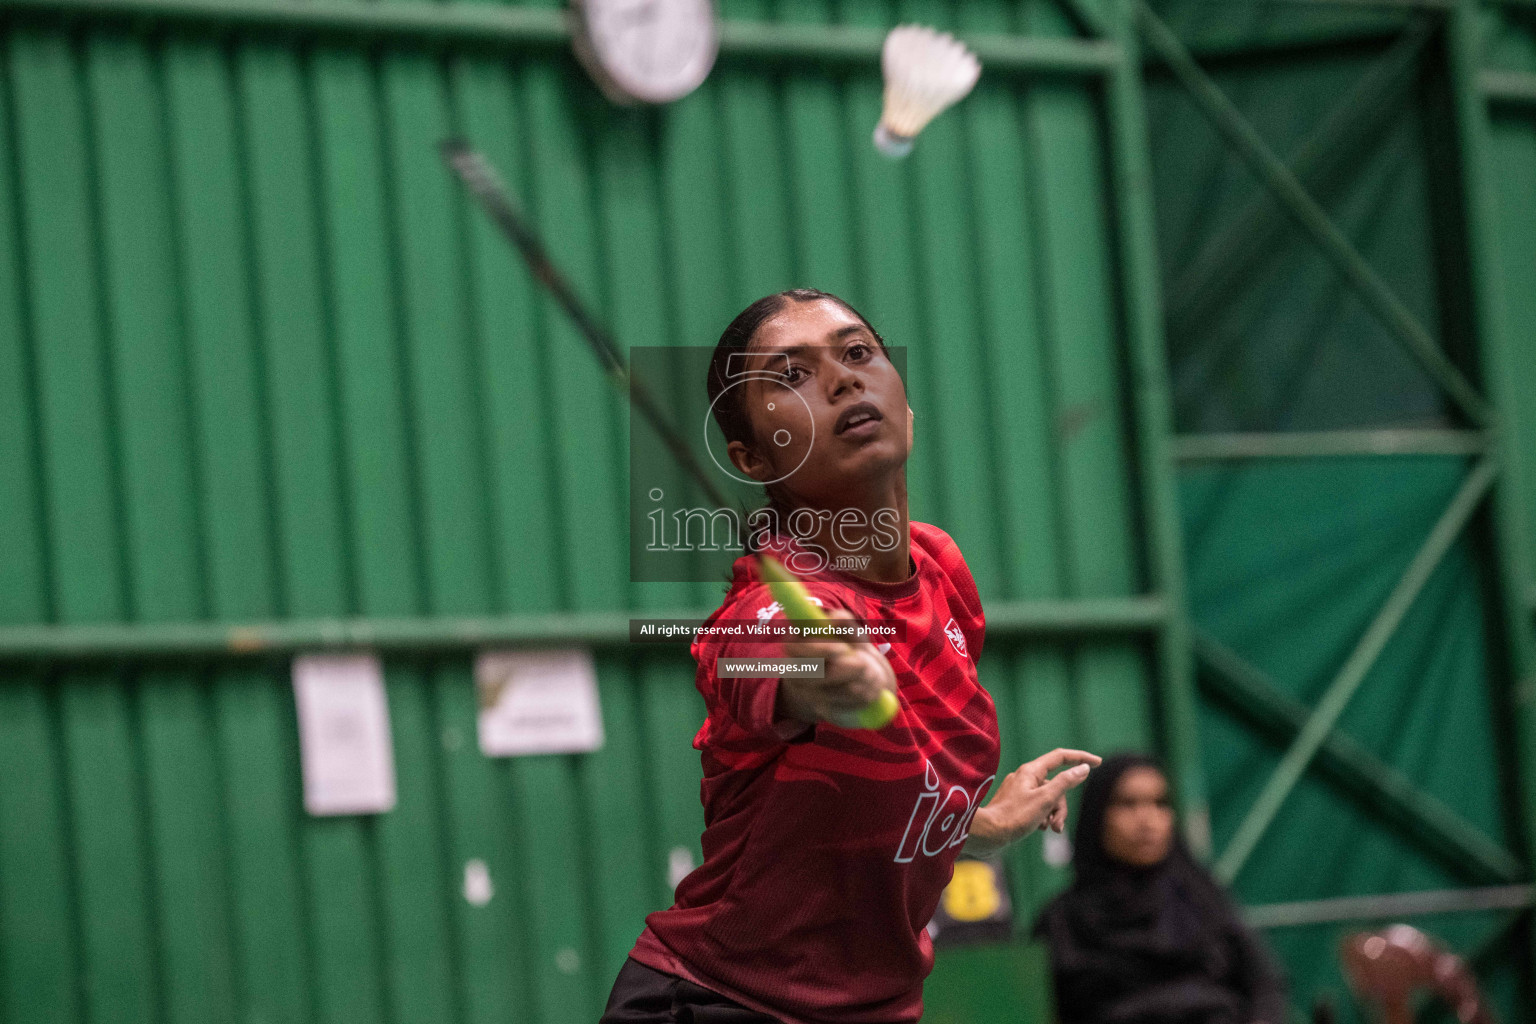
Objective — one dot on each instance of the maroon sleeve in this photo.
(753, 705)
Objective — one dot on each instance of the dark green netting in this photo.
(1289, 560)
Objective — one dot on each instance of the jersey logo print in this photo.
(768, 611)
(945, 817)
(956, 637)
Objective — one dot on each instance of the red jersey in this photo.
(826, 849)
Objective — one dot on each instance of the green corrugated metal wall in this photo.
(1512, 149)
(260, 361)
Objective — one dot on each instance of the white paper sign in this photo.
(538, 702)
(348, 757)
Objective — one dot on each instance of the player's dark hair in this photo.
(730, 412)
(726, 403)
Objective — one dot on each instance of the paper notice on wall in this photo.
(344, 740)
(538, 702)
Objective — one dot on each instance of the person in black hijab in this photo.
(1145, 935)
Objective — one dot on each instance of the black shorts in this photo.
(645, 996)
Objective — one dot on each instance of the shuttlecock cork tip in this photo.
(892, 145)
(925, 72)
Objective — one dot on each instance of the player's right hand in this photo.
(856, 673)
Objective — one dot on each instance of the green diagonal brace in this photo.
(1312, 735)
(1335, 245)
(1247, 238)
(1457, 843)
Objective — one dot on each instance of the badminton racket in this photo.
(486, 186)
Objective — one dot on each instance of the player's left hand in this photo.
(1029, 799)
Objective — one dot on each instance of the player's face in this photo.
(1138, 825)
(828, 409)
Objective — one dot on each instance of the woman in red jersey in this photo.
(826, 847)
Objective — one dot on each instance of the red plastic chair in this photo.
(1387, 967)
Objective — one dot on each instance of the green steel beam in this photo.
(196, 641)
(540, 27)
(1247, 240)
(446, 23)
(1218, 46)
(200, 641)
(1390, 906)
(1354, 670)
(1458, 844)
(1335, 245)
(1516, 563)
(1152, 398)
(848, 44)
(1513, 87)
(1328, 443)
(1078, 616)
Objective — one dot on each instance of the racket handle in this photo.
(791, 593)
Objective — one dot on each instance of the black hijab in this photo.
(1153, 945)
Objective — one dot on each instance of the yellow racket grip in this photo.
(791, 593)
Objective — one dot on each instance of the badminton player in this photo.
(826, 848)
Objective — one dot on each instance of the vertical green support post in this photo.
(1137, 252)
(1495, 346)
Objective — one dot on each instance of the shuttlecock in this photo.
(925, 72)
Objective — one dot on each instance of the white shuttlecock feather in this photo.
(925, 72)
